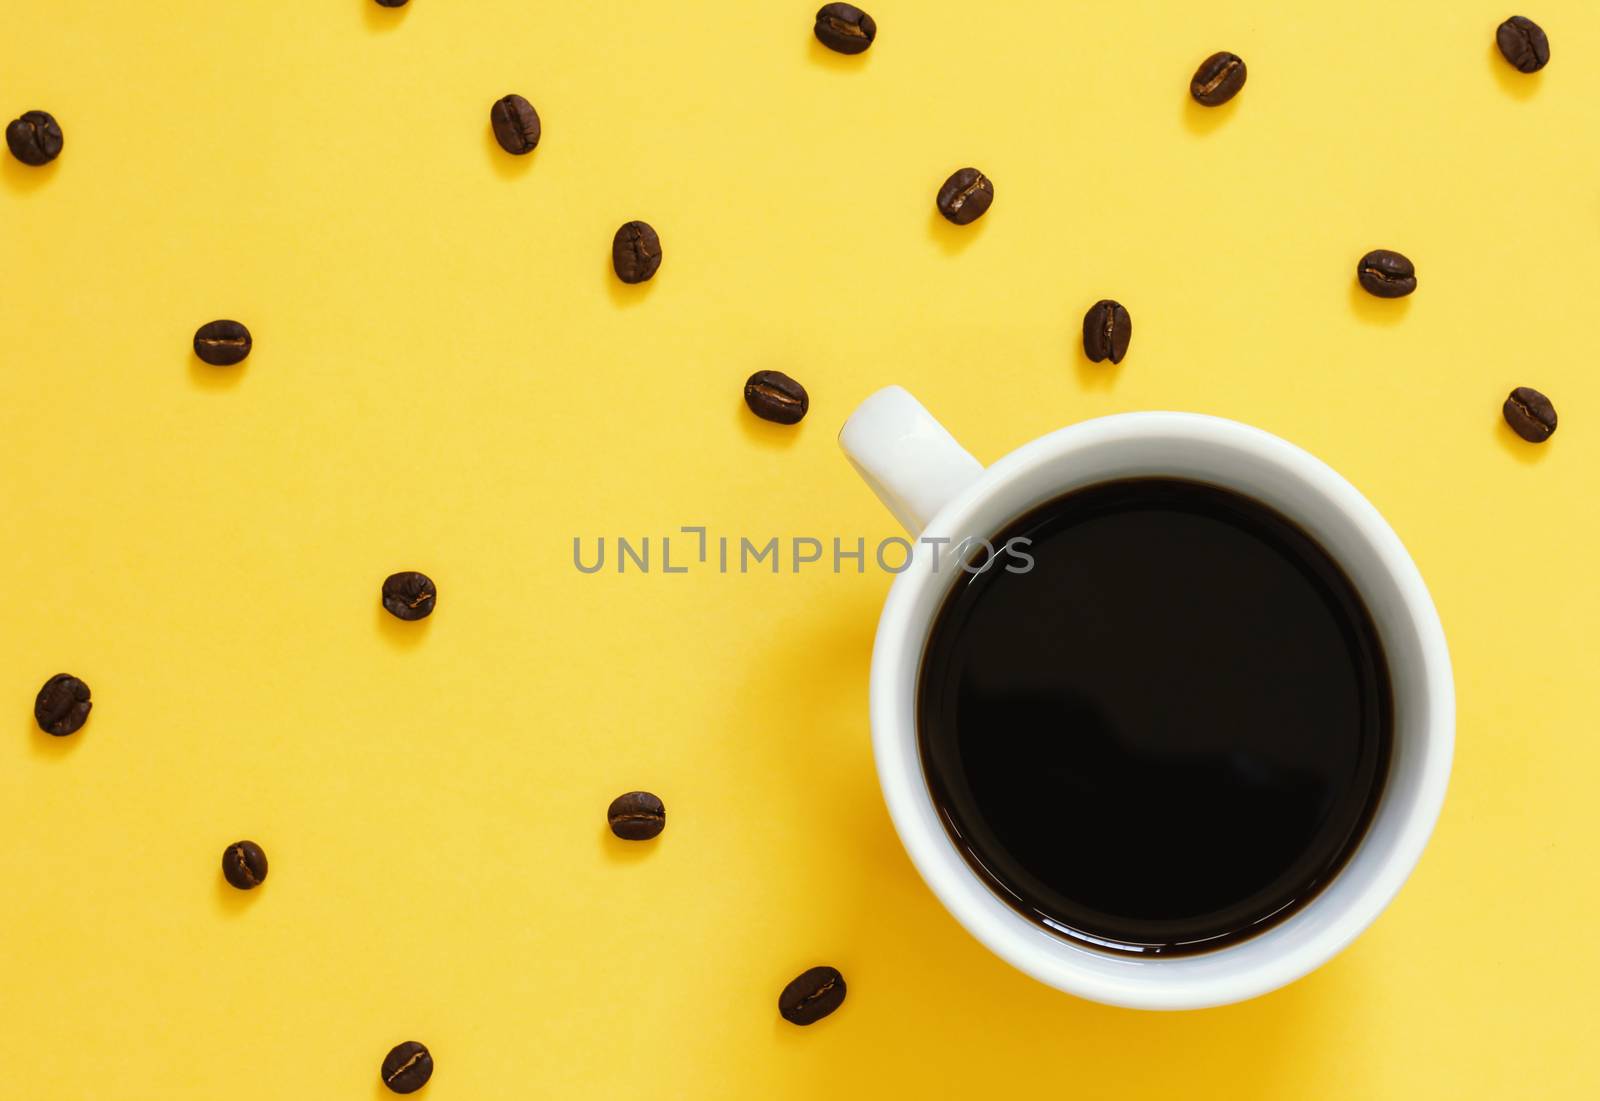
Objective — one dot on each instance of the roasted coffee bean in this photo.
(222, 343)
(1218, 79)
(35, 138)
(1523, 43)
(1530, 414)
(409, 595)
(774, 396)
(637, 816)
(1107, 328)
(965, 196)
(244, 865)
(845, 28)
(407, 1067)
(635, 252)
(1386, 274)
(516, 124)
(812, 996)
(62, 705)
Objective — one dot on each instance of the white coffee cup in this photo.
(940, 492)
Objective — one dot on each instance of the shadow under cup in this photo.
(1393, 831)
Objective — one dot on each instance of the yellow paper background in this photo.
(446, 377)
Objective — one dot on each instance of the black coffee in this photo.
(1168, 733)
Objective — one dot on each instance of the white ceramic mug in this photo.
(939, 491)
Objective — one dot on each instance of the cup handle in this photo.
(907, 457)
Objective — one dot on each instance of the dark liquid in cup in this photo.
(1166, 735)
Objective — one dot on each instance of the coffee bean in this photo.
(407, 1067)
(965, 196)
(812, 996)
(635, 252)
(392, 3)
(1218, 79)
(409, 595)
(1523, 43)
(1386, 274)
(637, 816)
(35, 138)
(62, 705)
(244, 865)
(516, 124)
(1107, 328)
(845, 28)
(774, 396)
(1530, 414)
(222, 343)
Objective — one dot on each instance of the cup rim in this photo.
(1157, 983)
